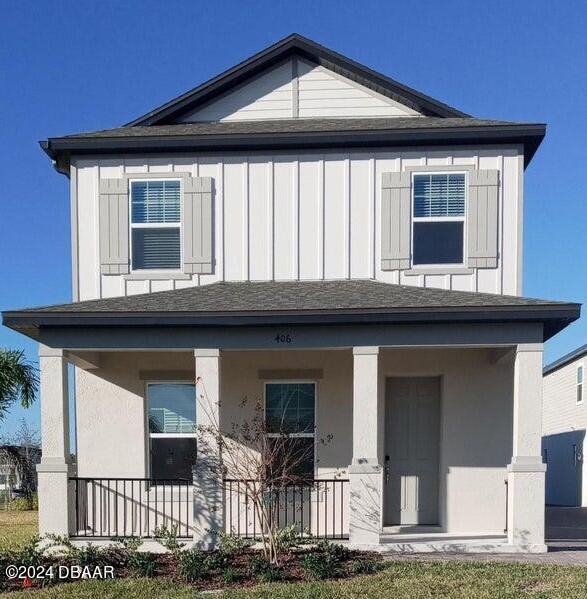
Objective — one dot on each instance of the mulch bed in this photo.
(166, 566)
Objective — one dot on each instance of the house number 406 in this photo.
(282, 338)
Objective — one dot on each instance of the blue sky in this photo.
(71, 66)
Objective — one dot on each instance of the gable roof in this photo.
(295, 44)
(576, 354)
(297, 302)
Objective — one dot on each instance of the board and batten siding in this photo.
(306, 216)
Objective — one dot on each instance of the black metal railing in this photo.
(318, 508)
(131, 507)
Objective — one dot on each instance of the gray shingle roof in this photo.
(576, 354)
(293, 303)
(295, 296)
(290, 126)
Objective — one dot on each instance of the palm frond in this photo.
(19, 380)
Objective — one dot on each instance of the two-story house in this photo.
(306, 232)
(564, 422)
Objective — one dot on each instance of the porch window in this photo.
(290, 421)
(579, 384)
(172, 429)
(155, 224)
(439, 219)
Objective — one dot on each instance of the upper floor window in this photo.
(439, 219)
(579, 384)
(155, 224)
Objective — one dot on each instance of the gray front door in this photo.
(412, 422)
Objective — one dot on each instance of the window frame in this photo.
(132, 226)
(150, 435)
(580, 385)
(295, 435)
(417, 219)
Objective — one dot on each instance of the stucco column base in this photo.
(366, 500)
(208, 504)
(55, 498)
(526, 488)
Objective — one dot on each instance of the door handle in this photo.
(386, 470)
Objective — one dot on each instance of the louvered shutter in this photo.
(197, 225)
(114, 247)
(482, 219)
(396, 221)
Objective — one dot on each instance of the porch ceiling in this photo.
(338, 302)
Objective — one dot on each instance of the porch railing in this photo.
(318, 508)
(131, 507)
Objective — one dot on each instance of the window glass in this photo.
(438, 219)
(155, 201)
(155, 224)
(439, 195)
(290, 407)
(293, 457)
(579, 384)
(172, 408)
(156, 248)
(172, 458)
(438, 242)
(172, 429)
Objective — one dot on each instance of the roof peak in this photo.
(295, 44)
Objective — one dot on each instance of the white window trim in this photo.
(150, 435)
(295, 435)
(580, 366)
(418, 219)
(132, 226)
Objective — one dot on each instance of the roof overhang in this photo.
(553, 317)
(60, 149)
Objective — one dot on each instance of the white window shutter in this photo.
(197, 225)
(114, 242)
(396, 221)
(482, 219)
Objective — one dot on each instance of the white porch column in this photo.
(526, 473)
(208, 492)
(55, 504)
(365, 472)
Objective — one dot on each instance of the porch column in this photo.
(55, 502)
(208, 475)
(365, 471)
(526, 473)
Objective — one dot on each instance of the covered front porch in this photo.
(422, 409)
(412, 445)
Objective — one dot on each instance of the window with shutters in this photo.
(438, 223)
(155, 224)
(580, 384)
(172, 429)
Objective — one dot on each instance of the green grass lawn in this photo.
(404, 579)
(16, 528)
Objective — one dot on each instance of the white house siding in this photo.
(297, 216)
(476, 416)
(564, 423)
(299, 89)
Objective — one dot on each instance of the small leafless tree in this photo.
(20, 452)
(264, 459)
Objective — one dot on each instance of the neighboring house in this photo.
(564, 423)
(10, 474)
(300, 227)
